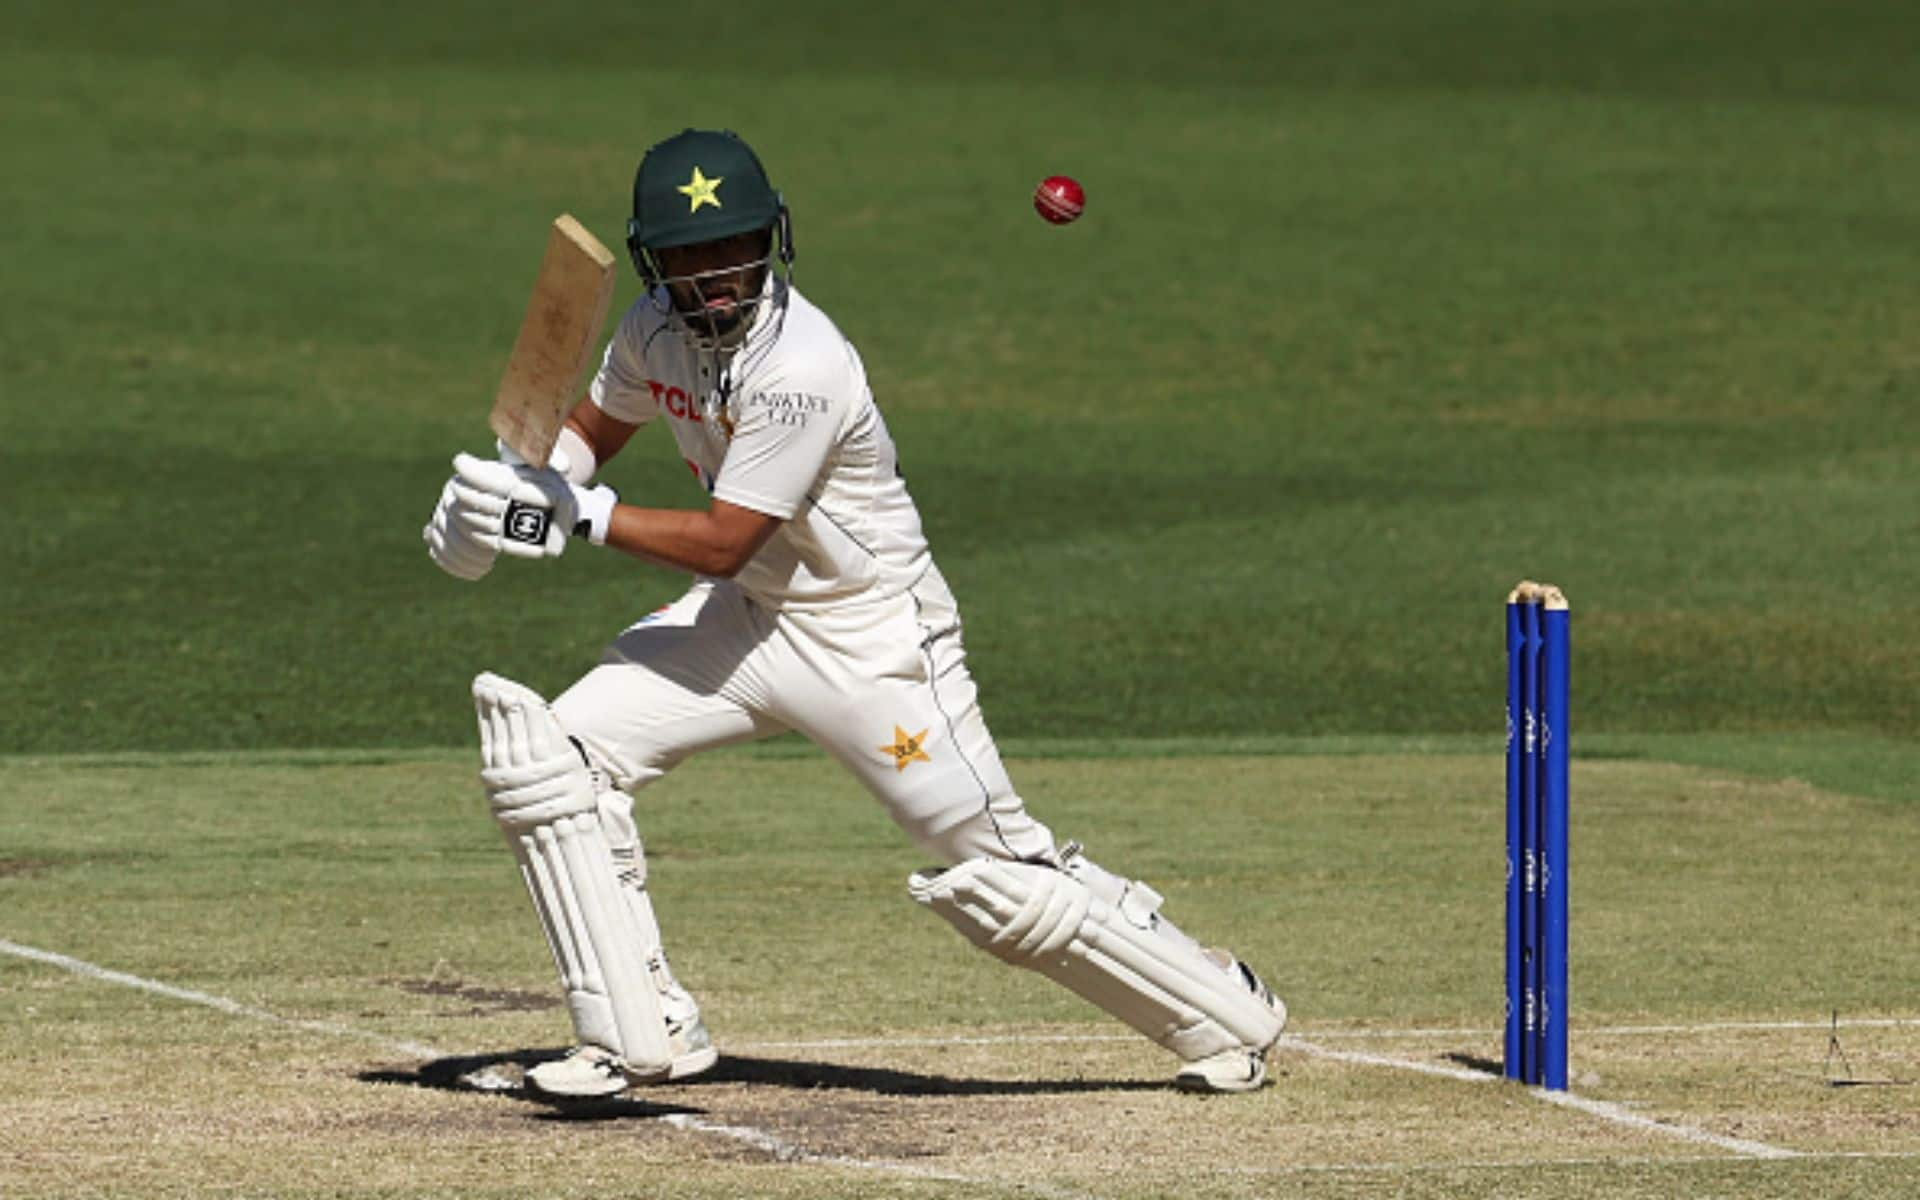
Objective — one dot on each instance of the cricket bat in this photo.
(564, 316)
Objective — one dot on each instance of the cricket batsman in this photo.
(815, 606)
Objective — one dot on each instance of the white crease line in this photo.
(1604, 1109)
(883, 1043)
(221, 1003)
(487, 1080)
(1466, 1074)
(1391, 1034)
(1752, 1026)
(1535, 1164)
(1333, 1034)
(1608, 1111)
(759, 1139)
(1580, 1031)
(783, 1151)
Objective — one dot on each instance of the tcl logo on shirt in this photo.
(675, 401)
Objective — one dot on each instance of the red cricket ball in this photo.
(1059, 199)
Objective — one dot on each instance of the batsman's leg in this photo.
(693, 1049)
(915, 736)
(589, 1070)
(543, 797)
(1103, 938)
(661, 693)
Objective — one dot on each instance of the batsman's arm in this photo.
(600, 434)
(717, 542)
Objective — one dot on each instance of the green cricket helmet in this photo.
(699, 186)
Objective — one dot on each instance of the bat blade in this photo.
(556, 340)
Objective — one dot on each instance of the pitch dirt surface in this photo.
(314, 976)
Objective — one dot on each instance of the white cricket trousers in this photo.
(881, 685)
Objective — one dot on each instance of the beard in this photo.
(721, 310)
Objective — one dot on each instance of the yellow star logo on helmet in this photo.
(701, 190)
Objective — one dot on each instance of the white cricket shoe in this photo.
(587, 1073)
(591, 1072)
(1243, 1068)
(1236, 1070)
(693, 1051)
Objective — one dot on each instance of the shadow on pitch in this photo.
(502, 1073)
(486, 1074)
(1476, 1062)
(887, 1081)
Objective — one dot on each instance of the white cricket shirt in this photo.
(785, 425)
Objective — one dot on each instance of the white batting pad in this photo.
(543, 797)
(1110, 952)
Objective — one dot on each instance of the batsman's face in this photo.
(717, 281)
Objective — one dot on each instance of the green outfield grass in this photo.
(1371, 315)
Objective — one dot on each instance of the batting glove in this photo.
(528, 513)
(451, 543)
